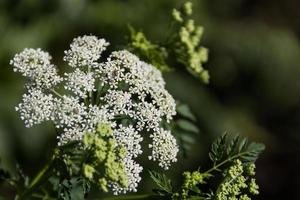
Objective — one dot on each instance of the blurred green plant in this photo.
(182, 43)
(233, 159)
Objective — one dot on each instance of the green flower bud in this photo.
(104, 129)
(88, 171)
(253, 187)
(88, 140)
(103, 184)
(100, 155)
(122, 152)
(244, 197)
(251, 169)
(190, 25)
(236, 184)
(188, 8)
(177, 15)
(205, 76)
(100, 143)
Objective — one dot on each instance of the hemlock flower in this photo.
(238, 183)
(121, 98)
(164, 148)
(36, 65)
(85, 51)
(79, 82)
(36, 107)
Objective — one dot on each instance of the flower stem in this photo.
(56, 93)
(90, 92)
(132, 197)
(216, 167)
(38, 180)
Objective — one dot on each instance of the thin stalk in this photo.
(56, 93)
(132, 197)
(99, 92)
(90, 93)
(40, 196)
(216, 167)
(38, 180)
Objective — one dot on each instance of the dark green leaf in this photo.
(252, 152)
(235, 148)
(187, 126)
(161, 181)
(185, 111)
(218, 149)
(232, 145)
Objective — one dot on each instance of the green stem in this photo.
(99, 91)
(90, 93)
(56, 93)
(40, 196)
(134, 197)
(216, 167)
(38, 180)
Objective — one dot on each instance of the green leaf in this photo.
(185, 111)
(243, 144)
(232, 145)
(69, 189)
(187, 139)
(252, 152)
(3, 198)
(187, 126)
(161, 181)
(236, 148)
(76, 189)
(218, 149)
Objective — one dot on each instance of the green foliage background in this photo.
(254, 67)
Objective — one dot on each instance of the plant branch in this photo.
(56, 93)
(134, 197)
(216, 167)
(38, 180)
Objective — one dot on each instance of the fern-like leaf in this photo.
(218, 149)
(163, 183)
(224, 150)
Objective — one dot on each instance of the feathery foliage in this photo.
(163, 183)
(233, 160)
(225, 149)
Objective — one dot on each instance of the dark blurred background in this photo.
(254, 65)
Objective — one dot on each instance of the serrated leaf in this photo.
(188, 139)
(253, 151)
(195, 189)
(187, 126)
(55, 183)
(242, 145)
(185, 111)
(161, 181)
(235, 148)
(218, 149)
(232, 145)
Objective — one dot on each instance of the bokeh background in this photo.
(254, 66)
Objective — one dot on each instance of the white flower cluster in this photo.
(79, 82)
(122, 91)
(163, 148)
(85, 51)
(132, 170)
(36, 107)
(35, 64)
